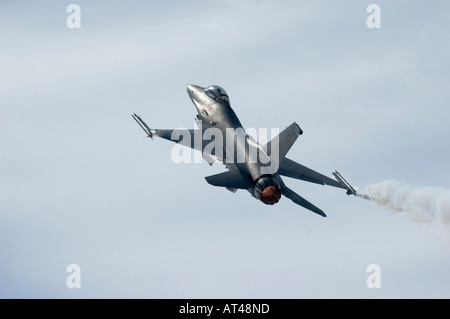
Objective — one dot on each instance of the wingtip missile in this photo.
(350, 189)
(142, 124)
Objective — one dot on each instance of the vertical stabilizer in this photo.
(279, 146)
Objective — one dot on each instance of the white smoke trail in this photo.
(428, 205)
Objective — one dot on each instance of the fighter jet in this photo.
(251, 166)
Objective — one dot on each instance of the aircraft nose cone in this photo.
(194, 89)
(196, 94)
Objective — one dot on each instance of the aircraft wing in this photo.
(192, 138)
(295, 170)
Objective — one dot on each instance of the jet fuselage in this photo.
(243, 154)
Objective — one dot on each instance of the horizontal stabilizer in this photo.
(295, 170)
(229, 179)
(296, 198)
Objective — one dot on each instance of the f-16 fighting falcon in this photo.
(251, 166)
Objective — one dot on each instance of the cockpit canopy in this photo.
(218, 94)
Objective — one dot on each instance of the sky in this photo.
(80, 184)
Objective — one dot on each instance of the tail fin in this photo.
(280, 145)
